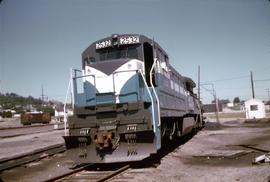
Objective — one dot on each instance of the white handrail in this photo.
(65, 104)
(152, 101)
(151, 82)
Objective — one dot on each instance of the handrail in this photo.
(65, 104)
(152, 101)
(151, 82)
(83, 76)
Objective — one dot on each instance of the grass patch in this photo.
(227, 115)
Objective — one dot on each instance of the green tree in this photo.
(6, 114)
(47, 109)
(236, 101)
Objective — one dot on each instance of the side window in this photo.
(166, 59)
(85, 61)
(161, 58)
(132, 53)
(160, 55)
(89, 60)
(253, 107)
(148, 62)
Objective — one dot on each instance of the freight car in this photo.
(31, 118)
(127, 101)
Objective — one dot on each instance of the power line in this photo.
(268, 92)
(213, 92)
(228, 79)
(234, 88)
(208, 90)
(264, 80)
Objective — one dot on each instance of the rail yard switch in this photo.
(262, 158)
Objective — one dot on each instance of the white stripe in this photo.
(104, 83)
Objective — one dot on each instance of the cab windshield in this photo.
(118, 53)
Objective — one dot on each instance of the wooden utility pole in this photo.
(268, 92)
(252, 84)
(199, 75)
(216, 102)
(43, 96)
(213, 92)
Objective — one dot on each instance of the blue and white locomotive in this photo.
(127, 100)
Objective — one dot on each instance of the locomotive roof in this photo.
(142, 39)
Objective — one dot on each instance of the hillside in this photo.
(20, 104)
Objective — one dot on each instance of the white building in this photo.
(59, 115)
(230, 104)
(255, 109)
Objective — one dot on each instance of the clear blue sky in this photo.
(41, 39)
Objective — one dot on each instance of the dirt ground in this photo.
(220, 152)
(217, 153)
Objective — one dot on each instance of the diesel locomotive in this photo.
(128, 100)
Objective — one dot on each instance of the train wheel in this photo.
(172, 131)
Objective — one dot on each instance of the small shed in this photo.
(255, 109)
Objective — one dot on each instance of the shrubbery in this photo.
(46, 109)
(12, 101)
(6, 114)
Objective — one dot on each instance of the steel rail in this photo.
(114, 173)
(255, 148)
(23, 134)
(12, 162)
(29, 126)
(62, 177)
(56, 178)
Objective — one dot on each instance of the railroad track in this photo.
(82, 174)
(20, 131)
(9, 163)
(29, 126)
